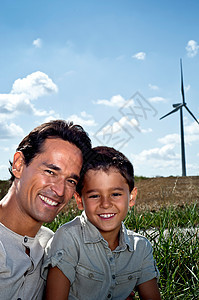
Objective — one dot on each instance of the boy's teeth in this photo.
(48, 201)
(106, 216)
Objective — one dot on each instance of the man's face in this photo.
(45, 186)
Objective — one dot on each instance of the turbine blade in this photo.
(182, 84)
(171, 112)
(191, 114)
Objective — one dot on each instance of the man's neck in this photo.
(11, 217)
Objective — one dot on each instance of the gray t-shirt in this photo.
(95, 272)
(20, 274)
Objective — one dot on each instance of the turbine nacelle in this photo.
(178, 104)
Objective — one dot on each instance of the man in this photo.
(45, 171)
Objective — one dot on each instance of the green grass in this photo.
(176, 253)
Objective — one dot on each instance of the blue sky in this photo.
(111, 66)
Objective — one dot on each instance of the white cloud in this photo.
(51, 117)
(10, 131)
(193, 128)
(192, 133)
(23, 92)
(34, 85)
(187, 88)
(120, 57)
(115, 101)
(84, 119)
(158, 160)
(157, 99)
(69, 73)
(123, 124)
(153, 87)
(164, 153)
(140, 55)
(170, 139)
(115, 127)
(37, 43)
(192, 48)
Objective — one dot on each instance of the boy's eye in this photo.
(116, 194)
(93, 196)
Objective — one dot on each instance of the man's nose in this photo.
(58, 187)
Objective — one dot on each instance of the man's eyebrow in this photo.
(75, 176)
(52, 166)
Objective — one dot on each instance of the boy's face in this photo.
(105, 199)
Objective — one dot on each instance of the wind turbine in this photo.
(179, 106)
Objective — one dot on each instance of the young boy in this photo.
(94, 256)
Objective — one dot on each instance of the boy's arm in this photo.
(58, 285)
(149, 290)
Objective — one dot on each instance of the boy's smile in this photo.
(105, 199)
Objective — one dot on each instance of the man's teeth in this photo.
(106, 216)
(48, 201)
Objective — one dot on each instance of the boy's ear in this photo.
(18, 164)
(79, 201)
(133, 197)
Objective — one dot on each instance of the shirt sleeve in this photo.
(149, 269)
(62, 252)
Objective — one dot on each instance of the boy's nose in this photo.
(105, 202)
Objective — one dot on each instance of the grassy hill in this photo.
(154, 193)
(4, 186)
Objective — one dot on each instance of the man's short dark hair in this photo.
(32, 144)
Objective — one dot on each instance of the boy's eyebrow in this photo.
(56, 168)
(96, 190)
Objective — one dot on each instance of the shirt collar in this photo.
(92, 235)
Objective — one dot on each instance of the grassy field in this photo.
(165, 208)
(176, 251)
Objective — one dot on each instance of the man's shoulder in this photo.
(71, 225)
(44, 235)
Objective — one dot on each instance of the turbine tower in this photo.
(179, 106)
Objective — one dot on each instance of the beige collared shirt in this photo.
(95, 272)
(20, 274)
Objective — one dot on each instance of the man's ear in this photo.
(18, 164)
(78, 199)
(133, 197)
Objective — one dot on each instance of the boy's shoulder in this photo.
(135, 237)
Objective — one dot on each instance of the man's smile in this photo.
(48, 201)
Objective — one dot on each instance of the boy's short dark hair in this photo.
(103, 158)
(32, 144)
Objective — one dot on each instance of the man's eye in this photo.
(49, 172)
(73, 182)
